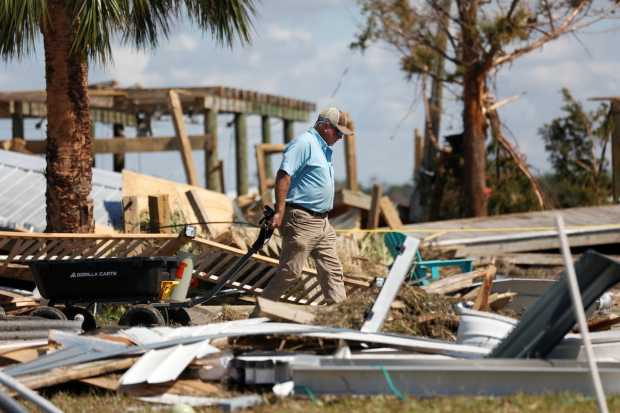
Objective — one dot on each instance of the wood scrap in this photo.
(25, 354)
(218, 206)
(601, 324)
(390, 214)
(81, 371)
(283, 312)
(471, 295)
(498, 301)
(482, 301)
(201, 213)
(184, 387)
(454, 283)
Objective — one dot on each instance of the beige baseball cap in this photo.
(333, 116)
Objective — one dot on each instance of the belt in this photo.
(311, 212)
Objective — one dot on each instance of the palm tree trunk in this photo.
(69, 149)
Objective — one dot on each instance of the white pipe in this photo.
(575, 294)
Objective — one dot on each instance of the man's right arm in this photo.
(283, 183)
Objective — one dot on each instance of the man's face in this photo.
(331, 134)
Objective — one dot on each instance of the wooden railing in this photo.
(214, 260)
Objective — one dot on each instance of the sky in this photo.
(300, 50)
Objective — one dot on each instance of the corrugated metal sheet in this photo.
(22, 193)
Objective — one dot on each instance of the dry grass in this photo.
(91, 400)
(350, 314)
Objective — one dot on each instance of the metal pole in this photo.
(580, 315)
(27, 394)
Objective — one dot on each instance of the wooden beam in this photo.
(266, 135)
(119, 146)
(18, 121)
(353, 199)
(283, 312)
(350, 157)
(221, 170)
(262, 173)
(454, 283)
(131, 215)
(211, 160)
(289, 130)
(390, 214)
(373, 215)
(419, 151)
(186, 150)
(241, 143)
(159, 213)
(118, 130)
(201, 213)
(482, 301)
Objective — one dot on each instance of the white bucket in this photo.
(482, 329)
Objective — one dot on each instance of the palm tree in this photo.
(74, 33)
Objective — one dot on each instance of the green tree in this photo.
(482, 36)
(576, 144)
(74, 33)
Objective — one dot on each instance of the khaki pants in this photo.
(304, 235)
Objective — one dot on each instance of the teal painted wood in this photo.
(394, 239)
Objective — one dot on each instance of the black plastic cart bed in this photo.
(124, 280)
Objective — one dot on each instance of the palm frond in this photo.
(147, 20)
(97, 22)
(20, 22)
(225, 19)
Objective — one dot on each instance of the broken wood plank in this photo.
(482, 301)
(352, 198)
(283, 312)
(601, 324)
(181, 133)
(131, 215)
(498, 301)
(373, 214)
(201, 213)
(81, 371)
(454, 283)
(390, 214)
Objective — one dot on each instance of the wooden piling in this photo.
(241, 143)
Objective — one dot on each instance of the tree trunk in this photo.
(69, 149)
(474, 151)
(474, 123)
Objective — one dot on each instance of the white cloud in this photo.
(278, 32)
(182, 42)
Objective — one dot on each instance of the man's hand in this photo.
(283, 182)
(276, 221)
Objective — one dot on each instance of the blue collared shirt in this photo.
(308, 161)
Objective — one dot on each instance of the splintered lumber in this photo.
(283, 312)
(601, 324)
(373, 215)
(390, 214)
(454, 283)
(183, 140)
(353, 199)
(482, 301)
(498, 301)
(201, 212)
(60, 375)
(131, 215)
(218, 206)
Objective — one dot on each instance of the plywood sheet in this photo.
(218, 207)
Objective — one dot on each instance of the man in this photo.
(304, 193)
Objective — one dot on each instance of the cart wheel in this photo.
(179, 316)
(50, 313)
(79, 313)
(143, 315)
